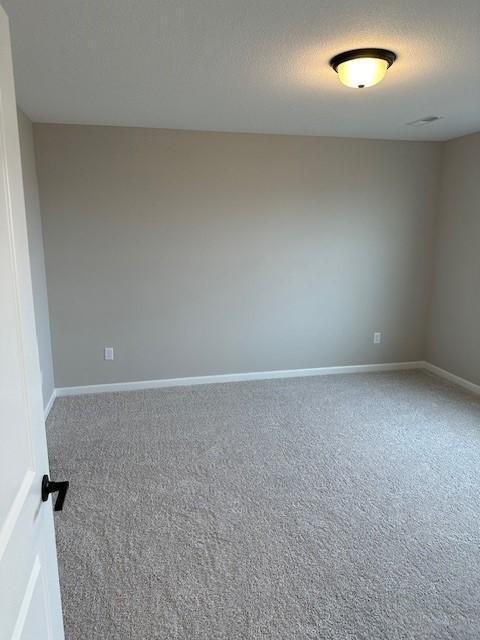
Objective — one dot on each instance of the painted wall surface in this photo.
(195, 253)
(37, 259)
(454, 318)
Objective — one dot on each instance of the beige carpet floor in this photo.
(342, 507)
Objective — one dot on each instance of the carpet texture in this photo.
(338, 507)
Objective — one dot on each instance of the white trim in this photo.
(49, 406)
(451, 377)
(234, 377)
(14, 512)
(27, 599)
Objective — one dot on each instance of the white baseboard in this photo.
(451, 377)
(235, 377)
(50, 403)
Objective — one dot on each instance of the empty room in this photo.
(240, 320)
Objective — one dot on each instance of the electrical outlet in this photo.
(377, 337)
(108, 353)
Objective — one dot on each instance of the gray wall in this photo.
(200, 253)
(37, 259)
(454, 326)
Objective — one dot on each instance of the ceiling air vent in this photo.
(421, 121)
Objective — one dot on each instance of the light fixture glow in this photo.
(362, 67)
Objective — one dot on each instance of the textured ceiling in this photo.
(247, 65)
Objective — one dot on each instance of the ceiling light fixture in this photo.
(361, 68)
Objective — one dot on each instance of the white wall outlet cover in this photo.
(377, 337)
(108, 353)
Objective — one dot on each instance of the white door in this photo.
(30, 606)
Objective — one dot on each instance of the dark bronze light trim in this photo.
(353, 54)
